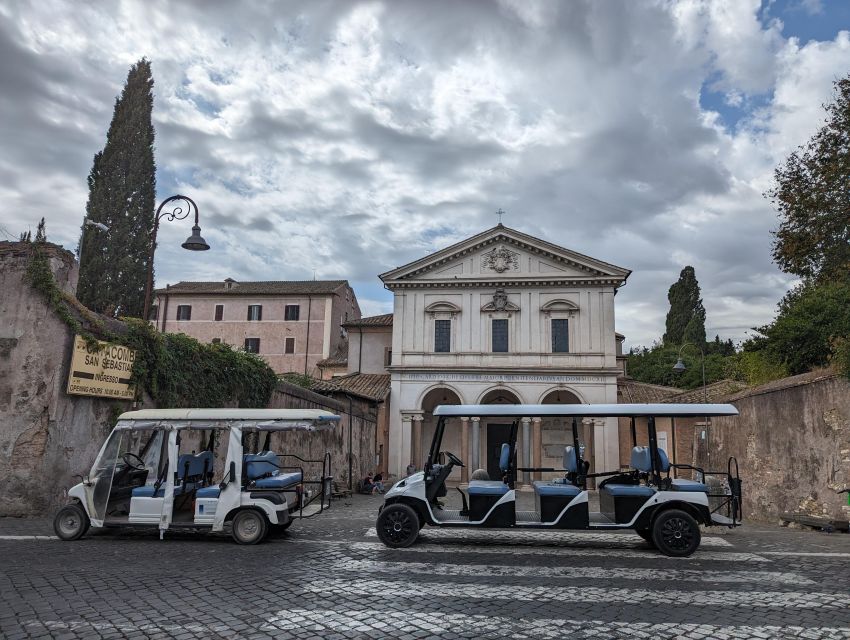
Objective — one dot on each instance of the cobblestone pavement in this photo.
(331, 578)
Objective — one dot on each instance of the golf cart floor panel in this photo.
(600, 518)
(446, 515)
(527, 516)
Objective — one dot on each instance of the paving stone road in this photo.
(330, 577)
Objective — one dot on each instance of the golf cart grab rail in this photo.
(585, 410)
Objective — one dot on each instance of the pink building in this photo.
(292, 324)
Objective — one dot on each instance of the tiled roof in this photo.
(337, 359)
(713, 392)
(374, 386)
(784, 383)
(269, 287)
(385, 320)
(634, 391)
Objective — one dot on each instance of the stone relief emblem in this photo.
(500, 259)
(500, 300)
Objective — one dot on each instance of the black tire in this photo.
(71, 522)
(646, 534)
(249, 527)
(278, 529)
(676, 533)
(398, 525)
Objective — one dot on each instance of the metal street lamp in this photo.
(193, 243)
(680, 367)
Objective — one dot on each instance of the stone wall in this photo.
(355, 433)
(46, 436)
(792, 442)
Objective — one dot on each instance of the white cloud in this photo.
(350, 138)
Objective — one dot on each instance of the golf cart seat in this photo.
(263, 472)
(641, 461)
(561, 486)
(682, 484)
(209, 492)
(493, 487)
(191, 469)
(487, 488)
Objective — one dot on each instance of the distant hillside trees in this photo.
(122, 193)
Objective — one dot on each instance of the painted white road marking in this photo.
(28, 538)
(678, 598)
(590, 573)
(396, 622)
(554, 536)
(807, 554)
(543, 550)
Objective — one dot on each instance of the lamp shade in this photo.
(195, 242)
(679, 367)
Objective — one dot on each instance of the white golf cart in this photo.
(188, 468)
(665, 511)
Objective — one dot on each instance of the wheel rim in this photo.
(398, 526)
(248, 527)
(677, 534)
(70, 523)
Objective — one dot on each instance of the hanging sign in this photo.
(102, 371)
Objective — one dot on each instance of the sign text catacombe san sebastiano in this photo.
(102, 371)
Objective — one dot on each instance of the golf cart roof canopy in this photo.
(584, 410)
(247, 419)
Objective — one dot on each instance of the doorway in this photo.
(497, 434)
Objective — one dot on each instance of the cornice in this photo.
(457, 283)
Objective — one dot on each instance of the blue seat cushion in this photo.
(261, 464)
(681, 484)
(543, 488)
(629, 490)
(190, 465)
(278, 481)
(487, 488)
(147, 491)
(209, 492)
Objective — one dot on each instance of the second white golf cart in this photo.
(665, 511)
(188, 468)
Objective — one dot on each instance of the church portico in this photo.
(502, 317)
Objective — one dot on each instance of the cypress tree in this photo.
(686, 318)
(122, 194)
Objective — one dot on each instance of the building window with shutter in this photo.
(184, 312)
(560, 336)
(219, 312)
(255, 312)
(442, 336)
(500, 335)
(252, 345)
(388, 356)
(291, 312)
(289, 345)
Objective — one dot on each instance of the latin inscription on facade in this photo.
(500, 377)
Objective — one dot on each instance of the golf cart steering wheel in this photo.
(454, 459)
(140, 467)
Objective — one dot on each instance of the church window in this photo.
(560, 335)
(442, 336)
(500, 335)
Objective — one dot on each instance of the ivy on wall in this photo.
(175, 370)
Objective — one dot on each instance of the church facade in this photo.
(502, 317)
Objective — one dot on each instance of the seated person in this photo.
(378, 483)
(366, 484)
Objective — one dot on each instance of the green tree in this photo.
(811, 328)
(122, 193)
(41, 232)
(686, 317)
(811, 194)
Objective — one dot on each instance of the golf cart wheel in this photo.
(276, 529)
(646, 534)
(676, 533)
(249, 527)
(71, 523)
(398, 525)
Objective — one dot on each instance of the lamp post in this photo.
(680, 367)
(193, 243)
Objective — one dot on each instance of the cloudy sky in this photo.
(352, 137)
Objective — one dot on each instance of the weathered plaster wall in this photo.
(46, 436)
(359, 421)
(792, 441)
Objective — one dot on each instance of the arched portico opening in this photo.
(432, 399)
(493, 432)
(556, 433)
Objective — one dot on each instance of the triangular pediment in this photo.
(504, 254)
